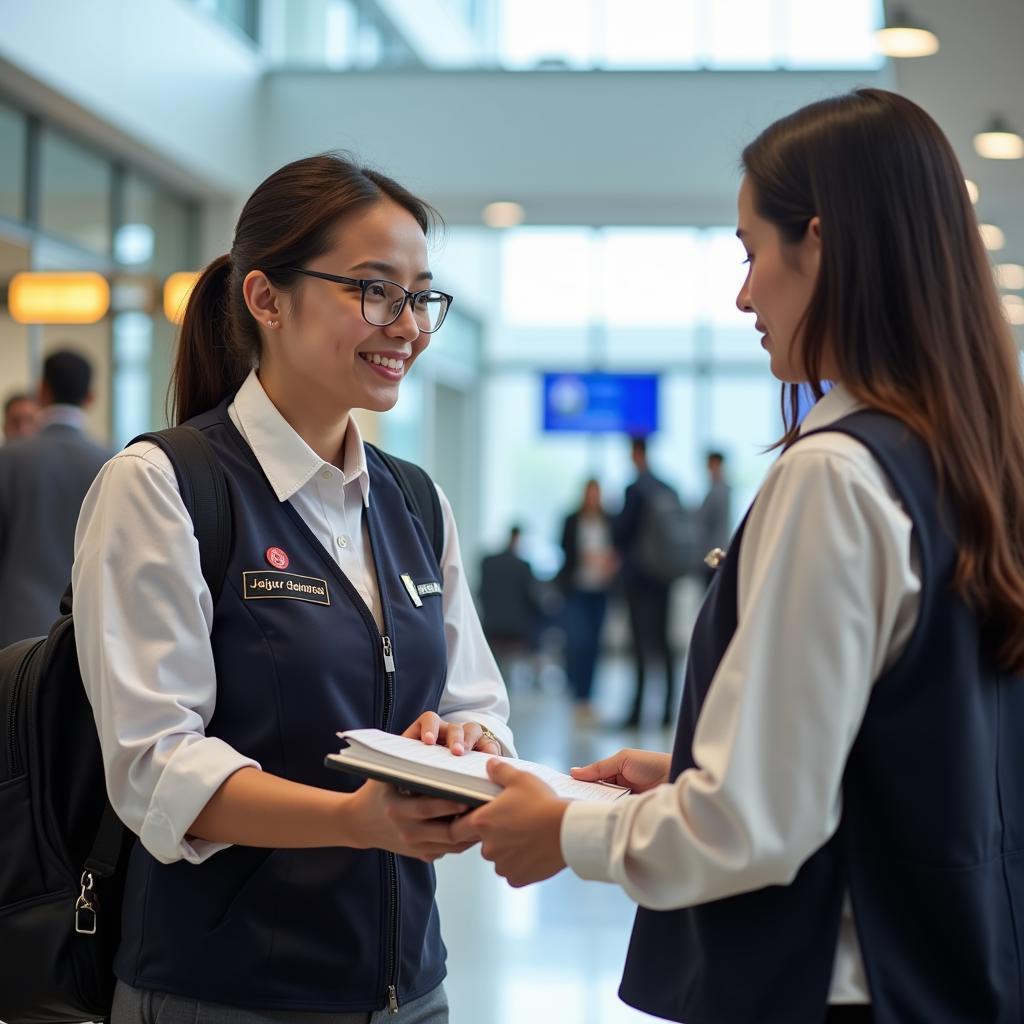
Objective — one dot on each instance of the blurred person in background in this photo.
(585, 578)
(21, 411)
(714, 516)
(637, 537)
(836, 835)
(510, 605)
(43, 479)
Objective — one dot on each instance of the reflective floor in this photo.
(553, 951)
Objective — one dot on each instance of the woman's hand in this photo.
(378, 816)
(520, 829)
(457, 737)
(637, 770)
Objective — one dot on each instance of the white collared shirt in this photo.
(143, 616)
(63, 416)
(828, 596)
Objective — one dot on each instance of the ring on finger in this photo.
(486, 734)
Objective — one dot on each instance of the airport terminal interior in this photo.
(583, 156)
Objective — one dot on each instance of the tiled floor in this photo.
(554, 951)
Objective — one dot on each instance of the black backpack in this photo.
(667, 544)
(63, 851)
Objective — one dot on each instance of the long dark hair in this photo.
(287, 221)
(906, 299)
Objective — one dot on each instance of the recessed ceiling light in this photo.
(1010, 276)
(972, 190)
(503, 215)
(992, 236)
(999, 142)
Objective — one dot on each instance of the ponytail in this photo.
(212, 358)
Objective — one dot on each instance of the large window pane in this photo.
(836, 35)
(742, 34)
(155, 232)
(74, 193)
(745, 418)
(533, 31)
(12, 163)
(649, 34)
(548, 277)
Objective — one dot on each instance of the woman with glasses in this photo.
(264, 887)
(837, 833)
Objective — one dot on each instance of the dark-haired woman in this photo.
(838, 832)
(263, 887)
(586, 576)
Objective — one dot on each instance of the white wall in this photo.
(575, 148)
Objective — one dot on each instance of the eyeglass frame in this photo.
(364, 282)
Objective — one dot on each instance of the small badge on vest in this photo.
(417, 591)
(257, 585)
(277, 557)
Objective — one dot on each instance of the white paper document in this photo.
(436, 770)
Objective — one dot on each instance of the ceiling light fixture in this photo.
(972, 190)
(177, 288)
(503, 215)
(1010, 276)
(999, 142)
(1013, 307)
(901, 37)
(58, 298)
(992, 236)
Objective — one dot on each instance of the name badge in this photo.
(262, 584)
(416, 591)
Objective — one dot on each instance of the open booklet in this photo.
(436, 771)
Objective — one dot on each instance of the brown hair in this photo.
(906, 299)
(287, 221)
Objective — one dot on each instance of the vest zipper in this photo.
(13, 762)
(392, 940)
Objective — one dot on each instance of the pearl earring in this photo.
(273, 323)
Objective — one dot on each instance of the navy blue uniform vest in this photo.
(299, 657)
(931, 840)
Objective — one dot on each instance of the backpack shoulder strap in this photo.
(205, 494)
(420, 497)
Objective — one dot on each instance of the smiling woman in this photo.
(322, 306)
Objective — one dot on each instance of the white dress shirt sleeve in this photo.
(143, 615)
(474, 690)
(827, 593)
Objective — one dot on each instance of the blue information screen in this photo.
(598, 403)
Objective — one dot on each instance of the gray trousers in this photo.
(141, 1006)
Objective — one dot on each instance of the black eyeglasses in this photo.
(383, 301)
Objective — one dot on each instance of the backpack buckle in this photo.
(86, 907)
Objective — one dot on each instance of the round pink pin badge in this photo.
(277, 558)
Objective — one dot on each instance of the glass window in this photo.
(13, 131)
(745, 417)
(156, 228)
(649, 34)
(547, 277)
(742, 34)
(729, 334)
(817, 35)
(75, 188)
(538, 31)
(133, 345)
(241, 14)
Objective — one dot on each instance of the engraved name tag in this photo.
(263, 584)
